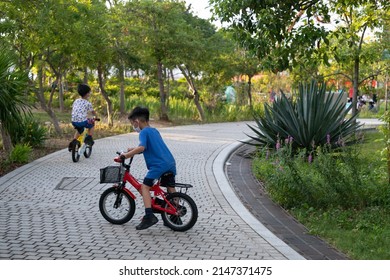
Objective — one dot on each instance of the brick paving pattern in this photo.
(43, 215)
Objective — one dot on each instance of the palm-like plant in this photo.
(314, 118)
(13, 84)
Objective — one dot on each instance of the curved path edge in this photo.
(241, 210)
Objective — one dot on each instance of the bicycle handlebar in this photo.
(122, 159)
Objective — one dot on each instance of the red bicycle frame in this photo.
(156, 189)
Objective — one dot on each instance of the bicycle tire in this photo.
(88, 151)
(116, 214)
(188, 214)
(75, 152)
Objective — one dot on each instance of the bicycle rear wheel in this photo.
(187, 212)
(116, 206)
(75, 152)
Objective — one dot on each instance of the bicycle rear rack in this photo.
(183, 186)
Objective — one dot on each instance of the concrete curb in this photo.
(239, 208)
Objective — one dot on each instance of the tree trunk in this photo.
(122, 90)
(250, 91)
(356, 69)
(61, 92)
(53, 88)
(355, 85)
(85, 79)
(47, 109)
(7, 143)
(168, 87)
(105, 96)
(197, 104)
(191, 84)
(163, 98)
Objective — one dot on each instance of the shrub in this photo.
(29, 132)
(324, 179)
(385, 129)
(310, 119)
(20, 154)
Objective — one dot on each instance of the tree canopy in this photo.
(60, 43)
(291, 34)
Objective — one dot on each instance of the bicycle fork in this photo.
(118, 200)
(119, 194)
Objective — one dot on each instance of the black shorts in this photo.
(166, 180)
(149, 182)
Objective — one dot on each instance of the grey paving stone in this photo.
(56, 222)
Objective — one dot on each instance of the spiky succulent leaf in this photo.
(310, 119)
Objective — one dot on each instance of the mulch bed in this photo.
(55, 145)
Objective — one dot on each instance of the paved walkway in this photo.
(49, 208)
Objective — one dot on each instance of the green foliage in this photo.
(326, 179)
(20, 154)
(361, 234)
(182, 110)
(313, 119)
(385, 129)
(13, 85)
(279, 32)
(29, 132)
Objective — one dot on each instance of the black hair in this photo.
(83, 89)
(139, 113)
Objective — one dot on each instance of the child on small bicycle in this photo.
(158, 158)
(80, 109)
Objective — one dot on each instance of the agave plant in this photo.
(314, 118)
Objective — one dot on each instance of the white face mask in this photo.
(137, 129)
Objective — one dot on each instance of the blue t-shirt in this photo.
(157, 156)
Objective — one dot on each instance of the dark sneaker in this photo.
(72, 144)
(89, 140)
(147, 221)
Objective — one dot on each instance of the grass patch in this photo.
(361, 234)
(42, 116)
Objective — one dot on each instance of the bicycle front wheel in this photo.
(187, 212)
(116, 206)
(88, 151)
(75, 152)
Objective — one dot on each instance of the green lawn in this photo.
(43, 117)
(361, 234)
